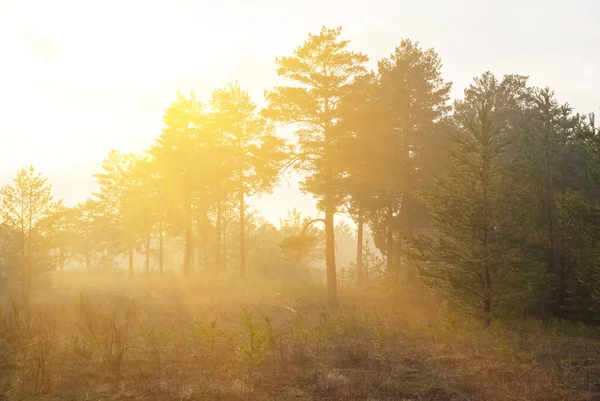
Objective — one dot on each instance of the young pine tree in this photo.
(24, 204)
(466, 258)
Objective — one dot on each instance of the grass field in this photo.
(92, 337)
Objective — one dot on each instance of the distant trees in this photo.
(185, 156)
(492, 201)
(25, 203)
(360, 141)
(120, 197)
(58, 229)
(301, 238)
(254, 152)
(187, 185)
(87, 230)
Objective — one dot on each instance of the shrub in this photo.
(111, 330)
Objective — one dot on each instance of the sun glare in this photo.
(299, 200)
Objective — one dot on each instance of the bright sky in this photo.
(80, 77)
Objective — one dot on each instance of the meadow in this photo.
(95, 336)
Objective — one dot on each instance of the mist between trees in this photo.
(491, 200)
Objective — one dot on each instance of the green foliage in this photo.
(207, 334)
(465, 258)
(296, 248)
(256, 337)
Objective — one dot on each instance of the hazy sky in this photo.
(80, 77)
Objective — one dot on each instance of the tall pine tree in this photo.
(323, 69)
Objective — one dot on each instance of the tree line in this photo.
(491, 200)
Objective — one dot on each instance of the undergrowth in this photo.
(174, 340)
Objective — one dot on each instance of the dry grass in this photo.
(222, 339)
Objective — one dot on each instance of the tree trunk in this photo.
(160, 250)
(61, 260)
(205, 257)
(187, 255)
(28, 287)
(487, 290)
(398, 267)
(224, 245)
(147, 252)
(360, 276)
(487, 311)
(130, 261)
(203, 233)
(487, 296)
(366, 271)
(551, 252)
(390, 241)
(242, 235)
(192, 248)
(564, 266)
(23, 264)
(332, 298)
(218, 246)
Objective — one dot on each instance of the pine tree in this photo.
(26, 202)
(157, 202)
(359, 180)
(412, 97)
(548, 154)
(578, 215)
(465, 257)
(185, 156)
(390, 130)
(253, 150)
(88, 225)
(119, 196)
(58, 229)
(323, 69)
